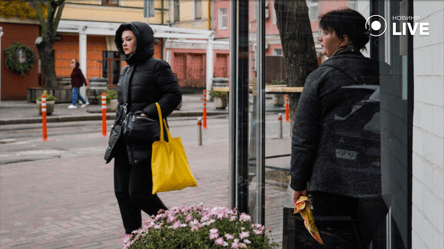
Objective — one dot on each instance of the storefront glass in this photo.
(259, 126)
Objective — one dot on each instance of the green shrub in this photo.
(49, 97)
(221, 94)
(110, 94)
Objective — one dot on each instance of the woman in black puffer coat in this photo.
(145, 81)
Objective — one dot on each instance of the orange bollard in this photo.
(44, 128)
(287, 109)
(103, 114)
(204, 109)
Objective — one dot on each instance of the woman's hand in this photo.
(296, 195)
(143, 115)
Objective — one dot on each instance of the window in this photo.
(313, 9)
(223, 22)
(176, 11)
(110, 2)
(197, 9)
(277, 52)
(352, 4)
(274, 16)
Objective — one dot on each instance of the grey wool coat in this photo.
(326, 96)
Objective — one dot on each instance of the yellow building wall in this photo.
(127, 11)
(187, 15)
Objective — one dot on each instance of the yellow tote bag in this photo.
(169, 163)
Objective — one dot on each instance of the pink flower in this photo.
(126, 238)
(220, 241)
(176, 225)
(244, 217)
(243, 235)
(242, 245)
(214, 235)
(235, 245)
(171, 219)
(214, 230)
(188, 218)
(247, 241)
(229, 236)
(258, 232)
(194, 229)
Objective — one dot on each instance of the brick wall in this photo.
(68, 48)
(428, 129)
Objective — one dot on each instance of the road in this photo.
(23, 142)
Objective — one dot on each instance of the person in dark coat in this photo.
(77, 81)
(143, 82)
(333, 175)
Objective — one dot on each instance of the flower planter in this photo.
(112, 106)
(49, 107)
(278, 99)
(220, 102)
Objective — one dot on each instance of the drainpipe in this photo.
(209, 15)
(161, 13)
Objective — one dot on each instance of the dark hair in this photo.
(347, 22)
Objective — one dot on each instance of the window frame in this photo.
(220, 16)
(196, 16)
(176, 10)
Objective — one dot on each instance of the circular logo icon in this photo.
(376, 25)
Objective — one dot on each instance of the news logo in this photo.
(376, 25)
(402, 25)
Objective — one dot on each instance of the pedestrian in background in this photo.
(336, 185)
(77, 81)
(145, 81)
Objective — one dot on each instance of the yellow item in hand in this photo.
(303, 207)
(169, 163)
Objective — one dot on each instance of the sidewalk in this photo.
(70, 203)
(21, 112)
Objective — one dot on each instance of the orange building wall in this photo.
(68, 48)
(14, 86)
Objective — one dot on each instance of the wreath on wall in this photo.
(19, 58)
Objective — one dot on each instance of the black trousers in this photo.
(133, 188)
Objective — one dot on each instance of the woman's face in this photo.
(330, 42)
(72, 65)
(129, 42)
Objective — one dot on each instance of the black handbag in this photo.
(140, 129)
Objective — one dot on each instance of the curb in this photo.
(93, 117)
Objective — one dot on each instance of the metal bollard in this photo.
(280, 125)
(199, 131)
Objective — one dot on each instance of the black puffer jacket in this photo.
(145, 81)
(330, 93)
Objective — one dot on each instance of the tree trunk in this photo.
(49, 29)
(297, 44)
(46, 54)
